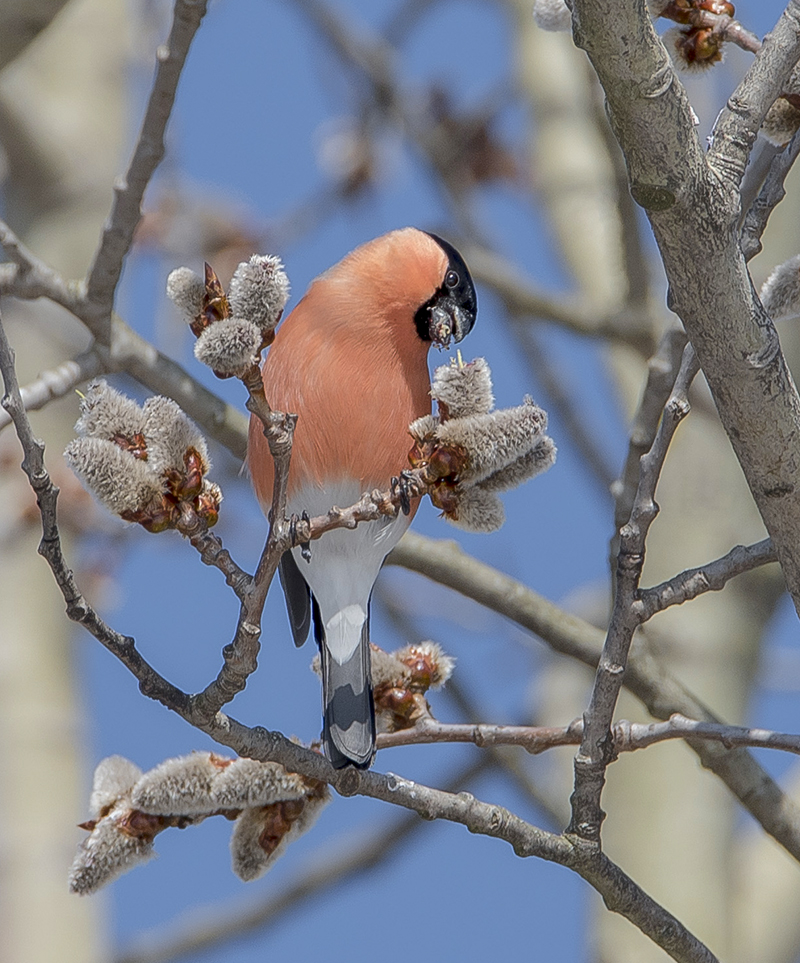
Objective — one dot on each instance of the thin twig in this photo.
(596, 749)
(770, 195)
(27, 277)
(663, 695)
(507, 762)
(739, 121)
(78, 609)
(57, 382)
(101, 282)
(710, 577)
(624, 736)
(726, 28)
(662, 368)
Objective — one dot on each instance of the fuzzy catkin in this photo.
(780, 293)
(531, 464)
(249, 858)
(178, 787)
(107, 413)
(259, 290)
(553, 15)
(170, 433)
(478, 511)
(186, 289)
(107, 853)
(246, 783)
(229, 347)
(120, 481)
(114, 777)
(464, 389)
(495, 440)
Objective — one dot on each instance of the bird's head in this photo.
(450, 312)
(407, 282)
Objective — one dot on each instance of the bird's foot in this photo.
(305, 547)
(402, 488)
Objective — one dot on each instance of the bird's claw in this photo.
(305, 547)
(401, 487)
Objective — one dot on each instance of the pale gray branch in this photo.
(705, 578)
(693, 205)
(662, 694)
(738, 123)
(27, 277)
(662, 368)
(771, 194)
(596, 750)
(56, 383)
(624, 736)
(101, 282)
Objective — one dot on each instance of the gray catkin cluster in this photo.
(502, 448)
(130, 456)
(270, 807)
(257, 295)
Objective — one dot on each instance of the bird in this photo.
(351, 360)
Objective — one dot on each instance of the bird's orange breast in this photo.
(357, 377)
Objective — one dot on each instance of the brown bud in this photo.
(696, 48)
(721, 7)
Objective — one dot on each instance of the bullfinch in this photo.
(352, 361)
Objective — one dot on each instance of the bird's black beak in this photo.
(449, 320)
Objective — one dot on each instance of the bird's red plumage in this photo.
(348, 360)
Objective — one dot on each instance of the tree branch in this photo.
(693, 206)
(624, 736)
(661, 693)
(101, 282)
(56, 383)
(596, 750)
(771, 194)
(619, 892)
(662, 369)
(705, 578)
(28, 277)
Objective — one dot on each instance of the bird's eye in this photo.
(451, 279)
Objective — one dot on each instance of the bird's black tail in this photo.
(348, 724)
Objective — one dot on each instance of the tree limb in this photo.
(101, 282)
(693, 205)
(662, 694)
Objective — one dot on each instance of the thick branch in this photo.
(693, 206)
